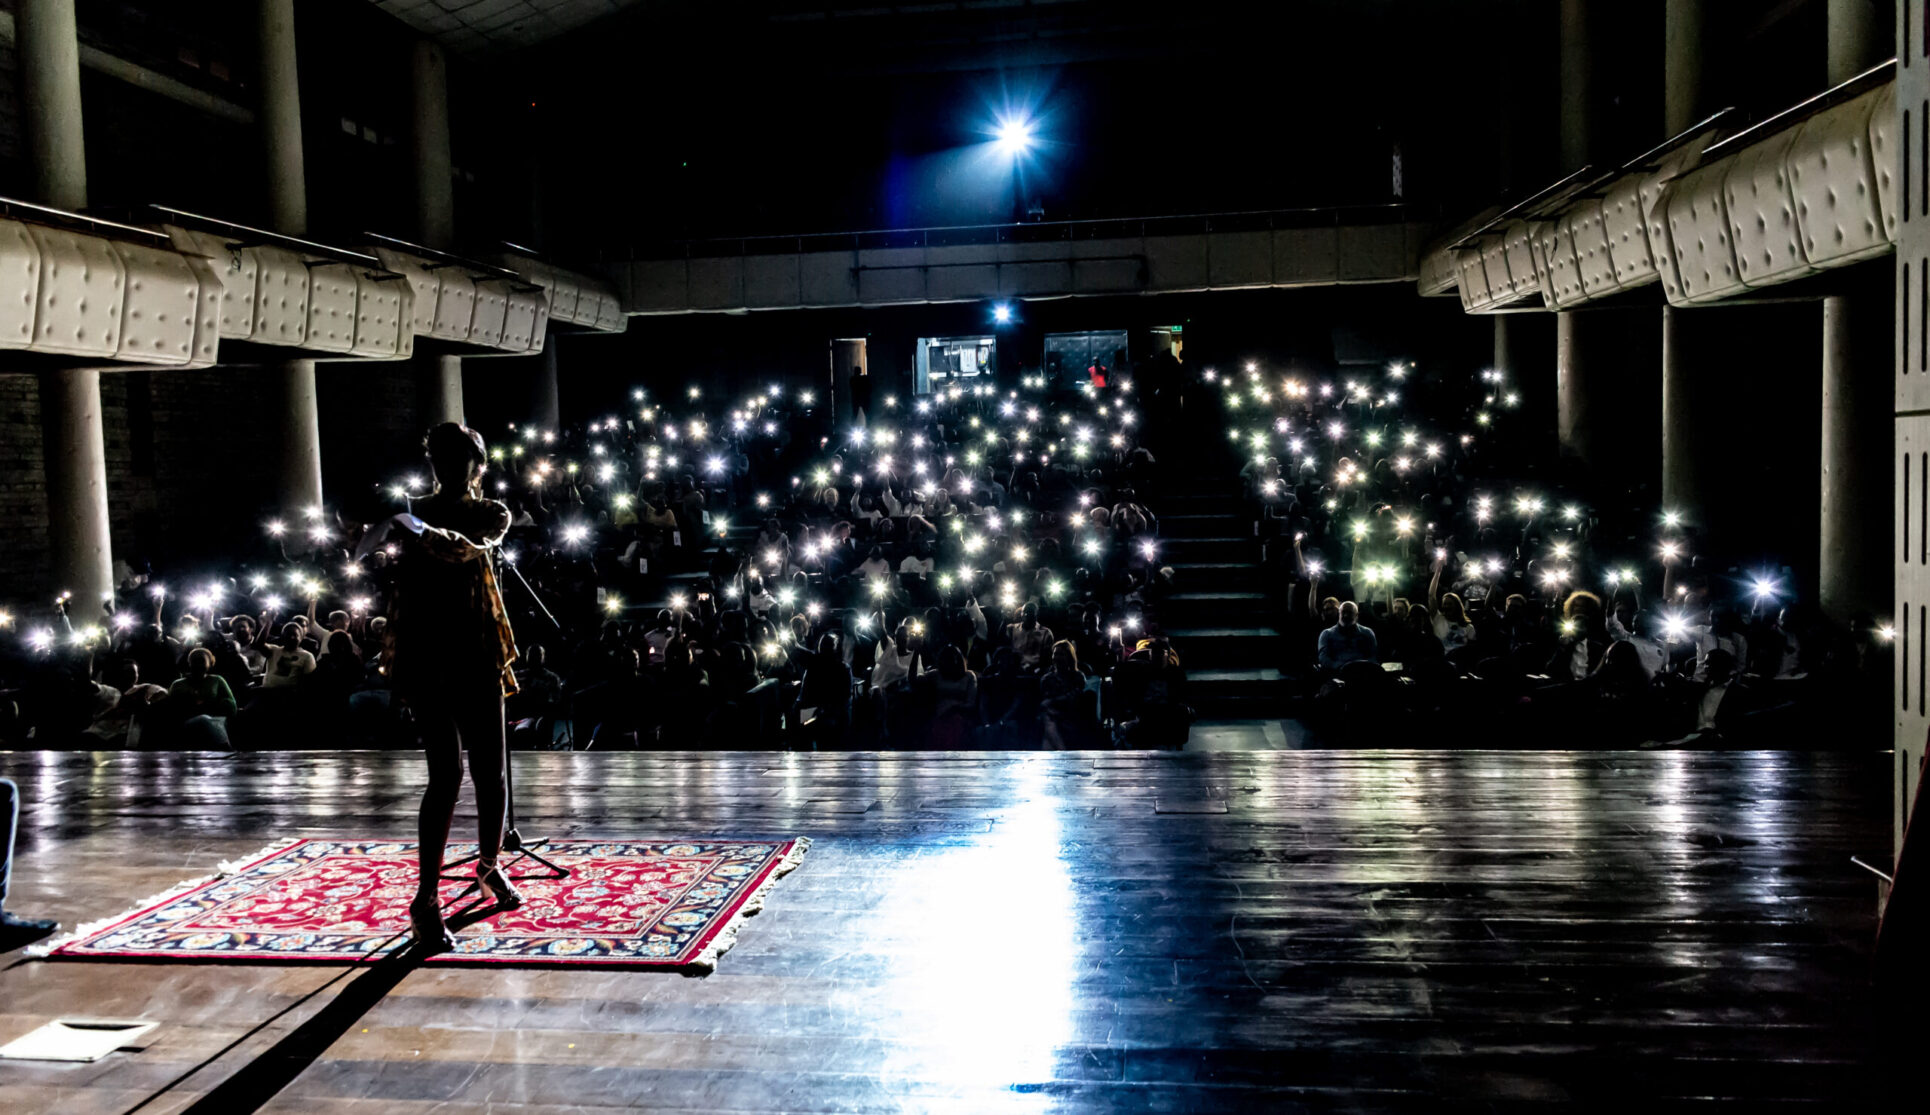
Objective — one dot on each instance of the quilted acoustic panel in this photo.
(19, 284)
(1699, 237)
(609, 313)
(1564, 268)
(1437, 273)
(281, 297)
(1655, 215)
(519, 320)
(492, 307)
(1625, 224)
(565, 293)
(1588, 229)
(1518, 243)
(425, 287)
(1832, 174)
(382, 310)
(207, 313)
(1883, 154)
(1475, 295)
(237, 269)
(455, 304)
(1762, 213)
(332, 292)
(77, 307)
(161, 306)
(1494, 264)
(540, 326)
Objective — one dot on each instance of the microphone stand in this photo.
(512, 838)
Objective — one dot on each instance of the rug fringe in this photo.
(706, 960)
(222, 870)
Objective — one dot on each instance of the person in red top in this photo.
(450, 652)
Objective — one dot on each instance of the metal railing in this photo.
(78, 222)
(1042, 232)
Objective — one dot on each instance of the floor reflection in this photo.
(983, 955)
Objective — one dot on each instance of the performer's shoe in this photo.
(10, 923)
(496, 885)
(431, 932)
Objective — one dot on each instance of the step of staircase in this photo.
(1212, 525)
(1229, 607)
(1212, 648)
(1227, 576)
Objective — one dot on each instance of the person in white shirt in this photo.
(287, 663)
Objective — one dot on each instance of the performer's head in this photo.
(456, 454)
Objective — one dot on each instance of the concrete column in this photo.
(1574, 422)
(1683, 23)
(1577, 86)
(49, 51)
(281, 117)
(847, 360)
(434, 192)
(1859, 37)
(75, 453)
(298, 478)
(1858, 368)
(72, 444)
(1681, 467)
(299, 465)
(441, 389)
(1684, 468)
(547, 400)
(1577, 94)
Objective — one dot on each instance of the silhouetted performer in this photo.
(13, 929)
(449, 655)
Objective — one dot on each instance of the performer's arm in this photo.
(452, 546)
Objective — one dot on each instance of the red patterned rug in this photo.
(671, 904)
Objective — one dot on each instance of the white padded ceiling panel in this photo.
(1494, 264)
(492, 307)
(1699, 237)
(609, 315)
(541, 325)
(332, 293)
(1518, 242)
(1625, 224)
(565, 292)
(161, 306)
(207, 311)
(19, 284)
(237, 269)
(1564, 269)
(77, 308)
(1883, 152)
(380, 316)
(425, 287)
(1762, 212)
(455, 304)
(519, 320)
(1475, 295)
(1437, 273)
(281, 297)
(1833, 176)
(1586, 227)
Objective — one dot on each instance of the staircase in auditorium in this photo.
(1222, 621)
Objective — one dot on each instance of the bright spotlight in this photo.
(1014, 136)
(1002, 313)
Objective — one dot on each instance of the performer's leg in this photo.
(482, 736)
(10, 812)
(435, 719)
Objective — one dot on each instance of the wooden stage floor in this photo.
(983, 933)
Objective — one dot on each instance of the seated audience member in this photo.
(287, 662)
(1347, 642)
(201, 703)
